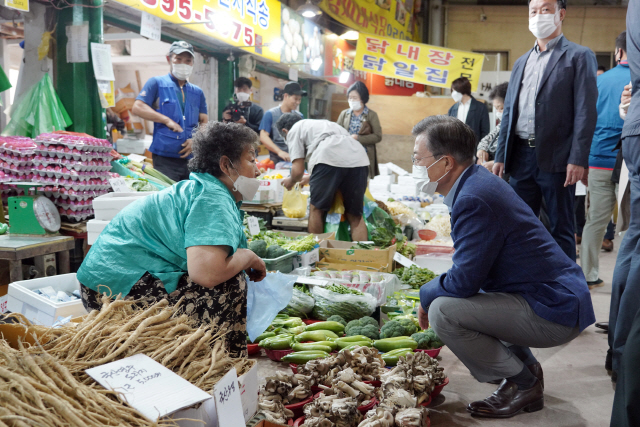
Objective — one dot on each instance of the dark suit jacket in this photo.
(502, 247)
(565, 109)
(632, 122)
(477, 119)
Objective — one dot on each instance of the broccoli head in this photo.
(359, 323)
(275, 251)
(366, 330)
(409, 326)
(259, 247)
(427, 339)
(337, 318)
(392, 329)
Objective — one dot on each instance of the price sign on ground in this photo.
(239, 23)
(228, 403)
(147, 386)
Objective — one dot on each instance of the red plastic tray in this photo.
(294, 368)
(311, 321)
(376, 384)
(365, 408)
(423, 249)
(253, 349)
(277, 355)
(432, 353)
(428, 401)
(298, 408)
(438, 389)
(298, 422)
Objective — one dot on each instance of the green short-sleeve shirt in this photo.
(153, 234)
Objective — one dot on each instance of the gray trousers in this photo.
(487, 330)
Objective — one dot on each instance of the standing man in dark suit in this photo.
(548, 121)
(510, 288)
(468, 109)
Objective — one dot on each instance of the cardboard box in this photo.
(270, 191)
(204, 414)
(306, 259)
(265, 423)
(40, 310)
(338, 252)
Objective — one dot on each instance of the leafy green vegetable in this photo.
(393, 329)
(348, 303)
(305, 244)
(406, 248)
(387, 234)
(341, 289)
(301, 303)
(366, 246)
(414, 275)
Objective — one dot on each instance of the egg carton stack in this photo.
(73, 170)
(16, 163)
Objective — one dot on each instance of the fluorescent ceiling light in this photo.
(316, 64)
(344, 77)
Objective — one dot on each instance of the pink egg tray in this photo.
(90, 185)
(90, 165)
(75, 215)
(17, 145)
(16, 160)
(64, 152)
(75, 142)
(70, 194)
(63, 173)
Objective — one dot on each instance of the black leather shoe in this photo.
(536, 370)
(508, 401)
(603, 325)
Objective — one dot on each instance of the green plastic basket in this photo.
(283, 264)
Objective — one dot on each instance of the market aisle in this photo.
(578, 390)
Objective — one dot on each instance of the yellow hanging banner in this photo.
(389, 18)
(240, 23)
(417, 62)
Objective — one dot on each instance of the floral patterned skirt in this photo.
(224, 305)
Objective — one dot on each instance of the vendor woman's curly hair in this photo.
(213, 140)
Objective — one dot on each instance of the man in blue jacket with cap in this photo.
(511, 286)
(176, 107)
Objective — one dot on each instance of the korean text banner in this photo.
(389, 18)
(239, 23)
(417, 62)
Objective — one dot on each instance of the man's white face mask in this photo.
(543, 25)
(243, 96)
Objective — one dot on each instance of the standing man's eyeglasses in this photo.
(415, 160)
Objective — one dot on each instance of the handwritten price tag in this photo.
(254, 225)
(148, 386)
(119, 185)
(228, 403)
(403, 260)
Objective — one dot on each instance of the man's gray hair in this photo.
(445, 135)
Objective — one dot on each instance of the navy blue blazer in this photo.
(566, 111)
(632, 122)
(477, 118)
(502, 247)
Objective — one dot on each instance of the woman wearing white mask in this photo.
(362, 123)
(187, 240)
(487, 147)
(469, 110)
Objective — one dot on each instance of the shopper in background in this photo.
(469, 110)
(269, 135)
(250, 113)
(602, 159)
(335, 161)
(487, 146)
(510, 288)
(187, 241)
(625, 292)
(176, 107)
(362, 123)
(601, 70)
(548, 121)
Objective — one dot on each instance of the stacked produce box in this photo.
(72, 170)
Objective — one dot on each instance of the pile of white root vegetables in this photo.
(36, 390)
(120, 329)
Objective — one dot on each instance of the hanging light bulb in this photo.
(276, 45)
(309, 10)
(350, 35)
(344, 77)
(316, 64)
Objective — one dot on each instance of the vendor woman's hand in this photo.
(288, 183)
(257, 269)
(423, 318)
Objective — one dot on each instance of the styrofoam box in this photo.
(437, 264)
(204, 414)
(383, 179)
(406, 180)
(405, 190)
(39, 309)
(94, 228)
(130, 146)
(306, 259)
(107, 207)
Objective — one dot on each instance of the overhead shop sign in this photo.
(388, 18)
(240, 23)
(417, 62)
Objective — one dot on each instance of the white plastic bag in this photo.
(265, 300)
(349, 306)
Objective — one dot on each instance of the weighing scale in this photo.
(32, 214)
(293, 224)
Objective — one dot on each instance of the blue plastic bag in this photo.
(268, 298)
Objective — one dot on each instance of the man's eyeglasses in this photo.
(415, 160)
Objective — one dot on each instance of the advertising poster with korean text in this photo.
(339, 56)
(239, 23)
(387, 18)
(417, 62)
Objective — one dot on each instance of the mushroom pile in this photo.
(365, 362)
(349, 384)
(280, 390)
(410, 417)
(416, 373)
(329, 411)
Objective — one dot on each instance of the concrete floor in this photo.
(578, 391)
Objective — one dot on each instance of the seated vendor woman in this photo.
(511, 287)
(187, 240)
